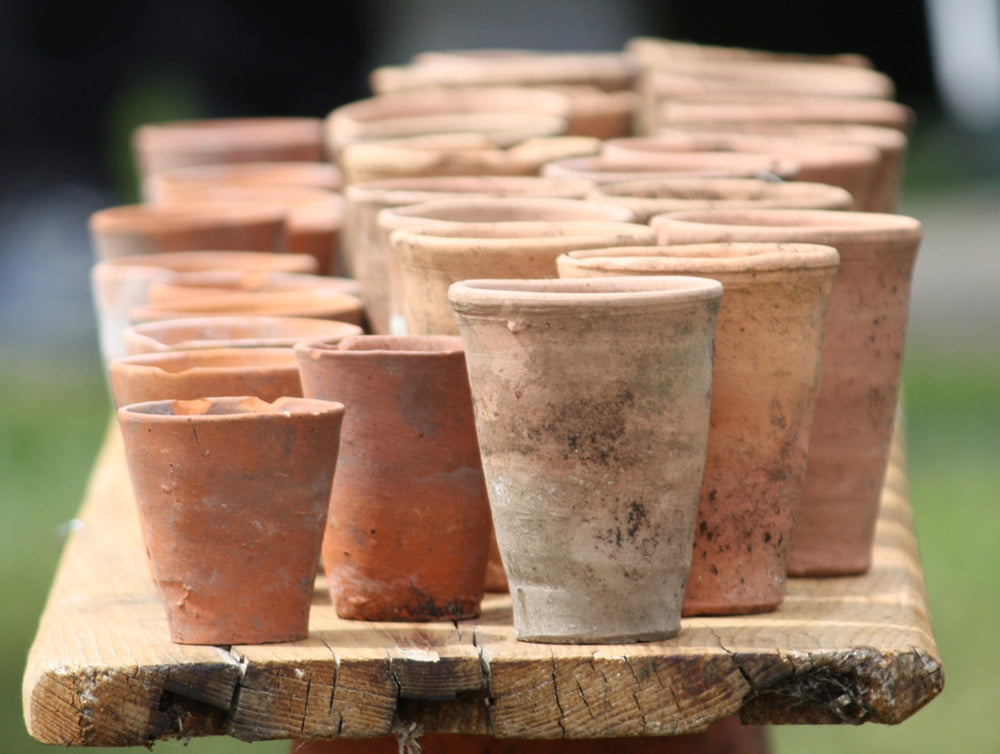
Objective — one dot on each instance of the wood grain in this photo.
(103, 671)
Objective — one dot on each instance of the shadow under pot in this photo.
(232, 495)
(593, 462)
(409, 522)
(863, 341)
(765, 379)
(266, 373)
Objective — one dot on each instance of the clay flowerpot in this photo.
(160, 147)
(606, 169)
(152, 228)
(231, 332)
(121, 284)
(318, 175)
(266, 373)
(409, 521)
(592, 464)
(312, 216)
(232, 496)
(864, 336)
(768, 343)
(646, 198)
(431, 258)
(456, 154)
(850, 166)
(367, 244)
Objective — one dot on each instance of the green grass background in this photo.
(54, 410)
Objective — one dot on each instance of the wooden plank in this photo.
(102, 670)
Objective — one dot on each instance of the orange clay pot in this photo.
(649, 197)
(765, 378)
(593, 464)
(152, 228)
(409, 520)
(312, 216)
(603, 169)
(850, 166)
(365, 246)
(267, 373)
(165, 146)
(456, 154)
(863, 342)
(232, 496)
(432, 257)
(196, 333)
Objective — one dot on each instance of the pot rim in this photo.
(497, 296)
(241, 408)
(214, 259)
(203, 360)
(741, 188)
(426, 188)
(382, 346)
(432, 209)
(707, 258)
(151, 334)
(505, 235)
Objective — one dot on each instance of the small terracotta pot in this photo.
(120, 285)
(646, 198)
(592, 464)
(409, 521)
(361, 236)
(316, 304)
(312, 216)
(151, 228)
(232, 496)
(165, 146)
(231, 332)
(768, 343)
(456, 154)
(890, 142)
(433, 257)
(318, 175)
(507, 115)
(267, 373)
(850, 166)
(864, 336)
(601, 169)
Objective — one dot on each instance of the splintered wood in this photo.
(103, 672)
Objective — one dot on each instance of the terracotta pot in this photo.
(232, 496)
(318, 175)
(134, 229)
(316, 304)
(726, 736)
(890, 142)
(363, 238)
(433, 257)
(120, 285)
(608, 71)
(456, 154)
(850, 166)
(187, 286)
(778, 109)
(231, 332)
(507, 115)
(863, 342)
(164, 146)
(312, 216)
(646, 198)
(595, 538)
(768, 343)
(602, 169)
(267, 373)
(409, 520)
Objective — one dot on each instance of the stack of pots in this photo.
(634, 331)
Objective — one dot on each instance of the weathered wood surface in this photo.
(102, 670)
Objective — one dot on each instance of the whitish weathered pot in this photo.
(864, 336)
(768, 343)
(592, 463)
(409, 521)
(232, 496)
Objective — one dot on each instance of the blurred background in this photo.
(78, 77)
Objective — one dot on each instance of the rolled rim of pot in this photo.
(458, 237)
(412, 345)
(215, 133)
(195, 333)
(424, 188)
(230, 408)
(691, 164)
(499, 297)
(709, 258)
(209, 259)
(321, 175)
(208, 360)
(795, 225)
(485, 209)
